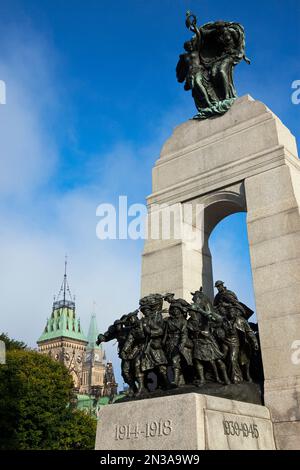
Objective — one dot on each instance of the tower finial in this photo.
(65, 278)
(64, 297)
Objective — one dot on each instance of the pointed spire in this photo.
(93, 331)
(65, 278)
(64, 292)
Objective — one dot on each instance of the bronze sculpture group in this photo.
(206, 66)
(189, 343)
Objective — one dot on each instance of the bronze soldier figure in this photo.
(237, 345)
(132, 352)
(119, 330)
(206, 349)
(176, 339)
(226, 298)
(153, 356)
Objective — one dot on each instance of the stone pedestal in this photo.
(184, 422)
(245, 161)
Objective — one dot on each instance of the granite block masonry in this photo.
(185, 422)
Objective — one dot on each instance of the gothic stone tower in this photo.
(97, 376)
(63, 338)
(93, 370)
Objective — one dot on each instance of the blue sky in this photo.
(91, 97)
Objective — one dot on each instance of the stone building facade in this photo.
(97, 374)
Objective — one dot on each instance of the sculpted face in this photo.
(188, 45)
(175, 312)
(227, 36)
(118, 326)
(231, 314)
(146, 312)
(198, 297)
(132, 320)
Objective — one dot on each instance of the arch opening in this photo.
(228, 246)
(230, 257)
(217, 207)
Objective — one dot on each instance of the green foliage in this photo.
(12, 344)
(35, 393)
(78, 432)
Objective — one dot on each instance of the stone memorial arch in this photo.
(245, 160)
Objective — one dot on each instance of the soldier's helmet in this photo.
(169, 297)
(219, 283)
(132, 316)
(153, 302)
(181, 304)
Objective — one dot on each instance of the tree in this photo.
(11, 344)
(77, 432)
(35, 394)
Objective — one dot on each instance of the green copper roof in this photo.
(85, 401)
(93, 334)
(63, 322)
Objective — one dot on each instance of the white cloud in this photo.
(27, 152)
